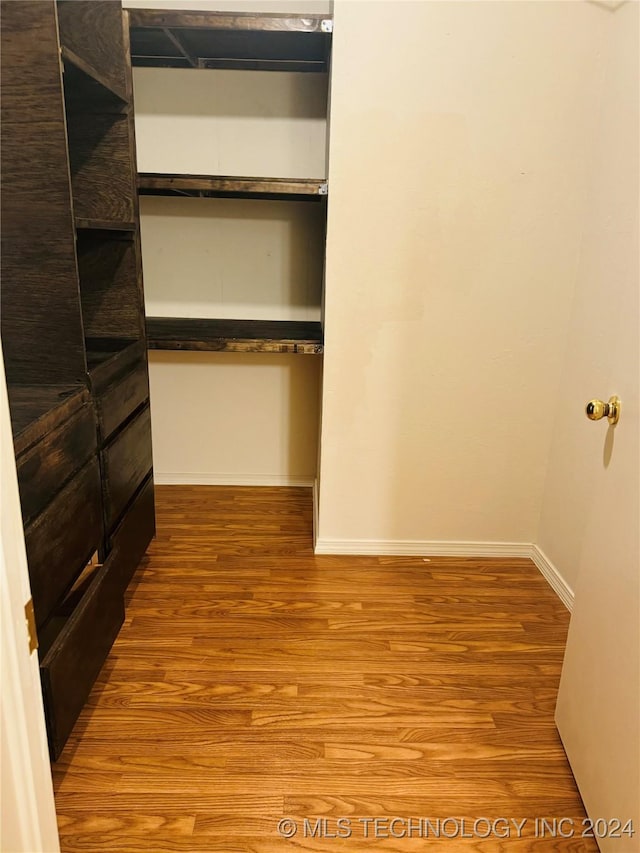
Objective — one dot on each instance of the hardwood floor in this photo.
(253, 682)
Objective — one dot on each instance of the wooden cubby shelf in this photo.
(220, 186)
(36, 409)
(112, 354)
(85, 224)
(90, 81)
(249, 41)
(73, 332)
(277, 336)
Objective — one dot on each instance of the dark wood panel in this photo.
(111, 358)
(86, 88)
(126, 393)
(92, 30)
(102, 174)
(105, 229)
(72, 663)
(38, 409)
(109, 288)
(133, 535)
(126, 463)
(40, 309)
(278, 336)
(46, 467)
(131, 138)
(67, 140)
(213, 186)
(250, 41)
(238, 21)
(63, 537)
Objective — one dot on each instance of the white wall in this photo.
(222, 417)
(459, 162)
(246, 418)
(232, 258)
(214, 122)
(607, 292)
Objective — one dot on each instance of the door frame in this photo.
(28, 823)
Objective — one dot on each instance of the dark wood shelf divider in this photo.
(38, 409)
(84, 224)
(74, 62)
(222, 186)
(247, 41)
(107, 357)
(268, 22)
(276, 336)
(93, 39)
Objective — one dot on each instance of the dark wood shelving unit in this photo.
(38, 409)
(267, 42)
(73, 331)
(275, 336)
(223, 186)
(222, 40)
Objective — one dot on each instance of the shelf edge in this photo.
(88, 70)
(227, 185)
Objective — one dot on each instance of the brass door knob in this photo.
(598, 409)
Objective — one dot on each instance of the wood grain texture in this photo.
(250, 41)
(131, 137)
(105, 229)
(128, 391)
(92, 30)
(253, 681)
(109, 359)
(40, 309)
(126, 462)
(132, 536)
(48, 464)
(278, 336)
(239, 21)
(109, 288)
(220, 186)
(72, 662)
(102, 174)
(71, 160)
(63, 537)
(86, 88)
(38, 409)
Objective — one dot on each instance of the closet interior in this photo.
(243, 272)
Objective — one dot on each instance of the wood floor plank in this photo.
(254, 681)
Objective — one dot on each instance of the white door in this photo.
(598, 711)
(28, 821)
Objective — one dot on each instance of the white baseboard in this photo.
(208, 479)
(553, 577)
(416, 547)
(383, 547)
